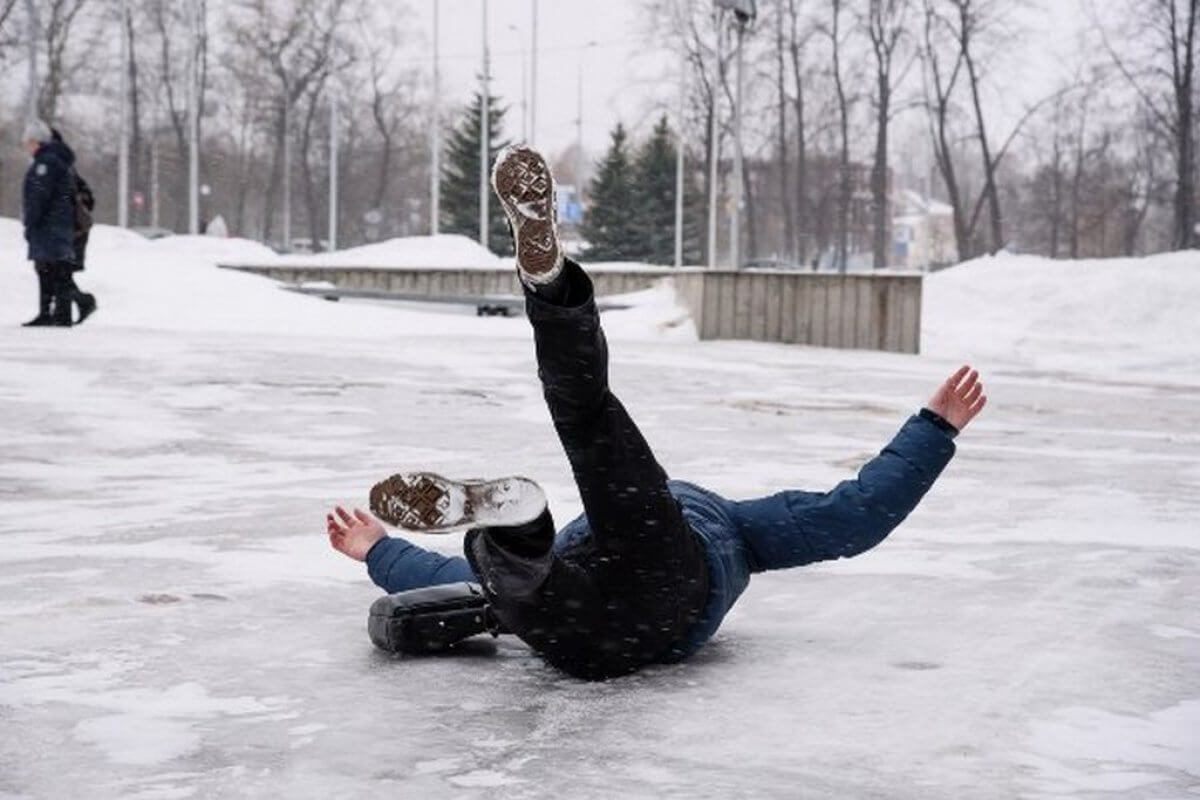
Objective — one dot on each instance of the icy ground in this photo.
(174, 625)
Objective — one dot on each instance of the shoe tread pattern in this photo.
(523, 179)
(415, 502)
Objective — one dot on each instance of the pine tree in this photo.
(460, 176)
(610, 225)
(654, 198)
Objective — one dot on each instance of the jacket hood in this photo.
(60, 150)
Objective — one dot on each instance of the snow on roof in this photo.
(915, 203)
(445, 250)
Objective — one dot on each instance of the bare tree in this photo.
(56, 34)
(297, 44)
(1159, 62)
(886, 24)
(834, 31)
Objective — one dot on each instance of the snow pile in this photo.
(445, 250)
(173, 284)
(1109, 316)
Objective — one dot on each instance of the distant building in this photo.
(923, 232)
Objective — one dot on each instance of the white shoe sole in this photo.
(430, 503)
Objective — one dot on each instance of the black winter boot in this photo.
(87, 306)
(45, 296)
(61, 283)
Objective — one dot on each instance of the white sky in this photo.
(566, 27)
(619, 71)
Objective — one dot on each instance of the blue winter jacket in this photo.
(784, 530)
(49, 204)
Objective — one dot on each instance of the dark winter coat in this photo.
(84, 197)
(784, 530)
(49, 205)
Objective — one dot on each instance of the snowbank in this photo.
(1105, 316)
(446, 250)
(173, 284)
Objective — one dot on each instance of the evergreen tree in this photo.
(610, 225)
(460, 176)
(654, 198)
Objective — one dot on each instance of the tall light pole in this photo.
(195, 10)
(579, 158)
(435, 145)
(123, 151)
(484, 130)
(714, 152)
(287, 166)
(524, 90)
(35, 34)
(739, 184)
(679, 148)
(533, 62)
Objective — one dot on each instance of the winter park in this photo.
(303, 318)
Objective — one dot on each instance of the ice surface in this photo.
(173, 623)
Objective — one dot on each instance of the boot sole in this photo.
(522, 178)
(430, 503)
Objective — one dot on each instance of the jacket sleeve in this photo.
(43, 176)
(396, 565)
(796, 527)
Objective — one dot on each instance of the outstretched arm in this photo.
(395, 565)
(794, 528)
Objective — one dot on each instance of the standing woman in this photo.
(49, 217)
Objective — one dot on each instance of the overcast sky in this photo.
(617, 69)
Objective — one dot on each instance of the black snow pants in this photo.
(626, 594)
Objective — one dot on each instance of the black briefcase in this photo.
(431, 619)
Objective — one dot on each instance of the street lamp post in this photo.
(579, 158)
(744, 12)
(679, 147)
(123, 172)
(739, 182)
(195, 8)
(714, 151)
(484, 130)
(435, 146)
(524, 89)
(533, 64)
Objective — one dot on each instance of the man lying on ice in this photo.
(649, 571)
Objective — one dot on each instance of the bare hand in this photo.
(353, 535)
(960, 398)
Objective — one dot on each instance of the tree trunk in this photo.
(879, 176)
(989, 167)
(803, 217)
(1056, 198)
(1184, 79)
(135, 149)
(843, 212)
(785, 195)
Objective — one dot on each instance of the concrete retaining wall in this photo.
(862, 311)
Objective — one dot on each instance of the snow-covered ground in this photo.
(174, 625)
